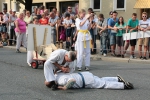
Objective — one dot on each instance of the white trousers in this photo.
(49, 69)
(81, 51)
(21, 38)
(107, 83)
(30, 56)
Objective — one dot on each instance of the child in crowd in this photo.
(83, 39)
(67, 24)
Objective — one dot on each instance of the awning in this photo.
(142, 4)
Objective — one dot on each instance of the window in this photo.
(4, 5)
(96, 5)
(119, 4)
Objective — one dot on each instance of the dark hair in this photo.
(115, 12)
(134, 14)
(90, 9)
(34, 18)
(55, 8)
(122, 20)
(111, 12)
(67, 15)
(101, 16)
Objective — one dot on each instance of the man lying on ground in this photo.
(88, 80)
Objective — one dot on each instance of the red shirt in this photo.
(43, 21)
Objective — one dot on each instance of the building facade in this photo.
(124, 8)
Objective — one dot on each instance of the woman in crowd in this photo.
(42, 9)
(20, 32)
(38, 14)
(28, 18)
(83, 39)
(12, 19)
(120, 27)
(43, 20)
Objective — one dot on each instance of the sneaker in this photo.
(144, 58)
(122, 56)
(141, 58)
(79, 69)
(132, 57)
(120, 79)
(86, 68)
(69, 84)
(18, 51)
(114, 55)
(118, 55)
(104, 55)
(128, 85)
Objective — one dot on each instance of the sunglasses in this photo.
(144, 16)
(69, 8)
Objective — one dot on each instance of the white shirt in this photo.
(81, 36)
(144, 24)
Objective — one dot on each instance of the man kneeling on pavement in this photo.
(59, 60)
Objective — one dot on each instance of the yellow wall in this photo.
(108, 5)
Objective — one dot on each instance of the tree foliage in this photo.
(26, 3)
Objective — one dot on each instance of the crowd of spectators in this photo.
(108, 30)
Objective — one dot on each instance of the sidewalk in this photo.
(99, 57)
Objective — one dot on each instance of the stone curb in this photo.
(98, 57)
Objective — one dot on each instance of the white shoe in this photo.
(86, 68)
(79, 69)
(104, 55)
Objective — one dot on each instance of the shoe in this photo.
(114, 55)
(128, 85)
(17, 51)
(141, 58)
(144, 58)
(118, 55)
(125, 55)
(54, 87)
(104, 55)
(79, 69)
(122, 56)
(86, 68)
(120, 79)
(69, 84)
(132, 57)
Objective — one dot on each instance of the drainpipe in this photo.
(15, 6)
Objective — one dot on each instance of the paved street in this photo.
(21, 82)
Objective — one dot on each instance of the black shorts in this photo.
(133, 42)
(68, 32)
(119, 41)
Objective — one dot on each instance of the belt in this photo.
(84, 32)
(82, 80)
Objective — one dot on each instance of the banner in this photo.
(136, 35)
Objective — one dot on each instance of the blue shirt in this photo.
(111, 22)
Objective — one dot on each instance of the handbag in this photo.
(62, 35)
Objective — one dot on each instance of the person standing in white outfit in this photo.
(83, 39)
(20, 32)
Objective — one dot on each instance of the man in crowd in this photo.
(59, 60)
(111, 23)
(72, 14)
(108, 39)
(102, 26)
(132, 26)
(52, 22)
(144, 24)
